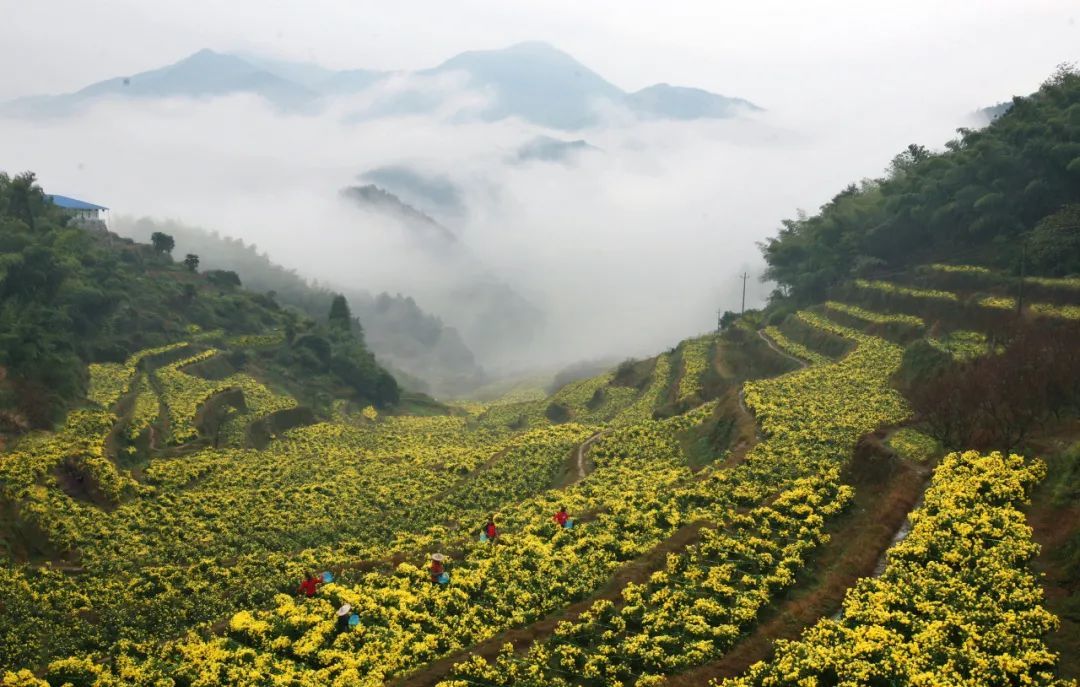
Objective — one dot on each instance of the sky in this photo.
(768, 51)
(627, 251)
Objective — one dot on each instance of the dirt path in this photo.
(581, 473)
(770, 344)
(742, 394)
(747, 414)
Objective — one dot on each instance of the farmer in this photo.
(342, 623)
(309, 586)
(561, 517)
(438, 567)
(489, 529)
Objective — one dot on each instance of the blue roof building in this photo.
(74, 203)
(80, 209)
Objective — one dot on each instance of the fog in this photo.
(625, 250)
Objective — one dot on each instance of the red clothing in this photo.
(490, 531)
(561, 517)
(309, 586)
(436, 568)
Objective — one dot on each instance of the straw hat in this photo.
(344, 609)
(438, 557)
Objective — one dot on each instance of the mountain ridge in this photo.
(533, 81)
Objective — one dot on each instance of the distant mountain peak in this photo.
(534, 45)
(206, 59)
(548, 149)
(532, 80)
(664, 101)
(205, 53)
(380, 200)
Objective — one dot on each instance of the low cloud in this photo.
(625, 252)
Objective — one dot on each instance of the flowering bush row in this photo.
(874, 317)
(695, 360)
(956, 605)
(890, 287)
(794, 347)
(110, 381)
(709, 593)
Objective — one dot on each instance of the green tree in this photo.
(188, 293)
(162, 242)
(26, 197)
(191, 261)
(228, 279)
(340, 316)
(1054, 244)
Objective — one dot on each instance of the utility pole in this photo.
(1020, 287)
(744, 277)
(719, 319)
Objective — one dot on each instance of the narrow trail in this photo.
(581, 473)
(758, 436)
(742, 394)
(769, 342)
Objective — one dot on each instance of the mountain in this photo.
(433, 193)
(548, 149)
(202, 75)
(420, 226)
(493, 318)
(546, 86)
(532, 81)
(536, 82)
(664, 101)
(307, 74)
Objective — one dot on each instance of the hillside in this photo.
(75, 294)
(494, 319)
(871, 481)
(692, 527)
(419, 346)
(993, 196)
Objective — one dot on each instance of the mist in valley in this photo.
(618, 248)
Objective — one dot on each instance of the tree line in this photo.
(990, 196)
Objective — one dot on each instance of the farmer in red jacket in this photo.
(561, 517)
(489, 529)
(309, 586)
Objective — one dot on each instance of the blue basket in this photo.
(568, 525)
(354, 620)
(483, 536)
(444, 578)
(327, 576)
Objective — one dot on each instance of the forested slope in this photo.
(993, 196)
(72, 294)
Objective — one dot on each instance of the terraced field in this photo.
(164, 536)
